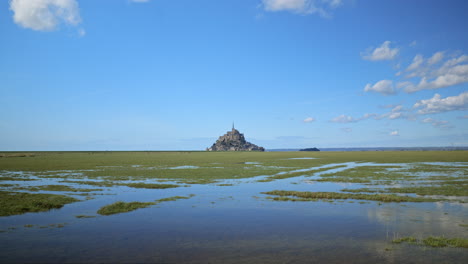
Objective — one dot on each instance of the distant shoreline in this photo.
(267, 150)
(381, 149)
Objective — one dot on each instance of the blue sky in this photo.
(175, 74)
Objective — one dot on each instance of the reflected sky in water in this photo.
(234, 224)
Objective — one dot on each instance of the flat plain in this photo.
(195, 207)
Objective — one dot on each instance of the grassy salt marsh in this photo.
(304, 205)
(12, 203)
(123, 207)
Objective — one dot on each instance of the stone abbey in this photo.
(233, 141)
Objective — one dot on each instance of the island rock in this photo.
(234, 141)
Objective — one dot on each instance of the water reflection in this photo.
(233, 224)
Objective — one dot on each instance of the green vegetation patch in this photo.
(133, 185)
(8, 185)
(14, 203)
(434, 241)
(93, 183)
(10, 178)
(366, 174)
(174, 198)
(209, 167)
(361, 190)
(446, 190)
(313, 196)
(149, 185)
(123, 207)
(409, 239)
(299, 173)
(58, 188)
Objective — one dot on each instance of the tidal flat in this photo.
(234, 207)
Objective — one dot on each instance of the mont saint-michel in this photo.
(234, 141)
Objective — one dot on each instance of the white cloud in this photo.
(384, 52)
(437, 104)
(452, 72)
(394, 133)
(45, 15)
(309, 120)
(438, 56)
(437, 123)
(394, 115)
(384, 87)
(397, 108)
(366, 116)
(320, 7)
(417, 61)
(396, 112)
(343, 119)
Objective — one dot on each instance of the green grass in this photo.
(10, 178)
(212, 165)
(295, 174)
(14, 203)
(361, 190)
(133, 185)
(409, 239)
(314, 196)
(123, 207)
(57, 188)
(8, 185)
(366, 174)
(93, 183)
(149, 185)
(173, 198)
(446, 190)
(435, 241)
(451, 189)
(110, 168)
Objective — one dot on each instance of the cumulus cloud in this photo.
(417, 61)
(438, 56)
(309, 120)
(45, 15)
(397, 112)
(394, 133)
(384, 87)
(320, 7)
(437, 104)
(452, 72)
(384, 52)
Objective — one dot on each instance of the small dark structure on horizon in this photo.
(310, 149)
